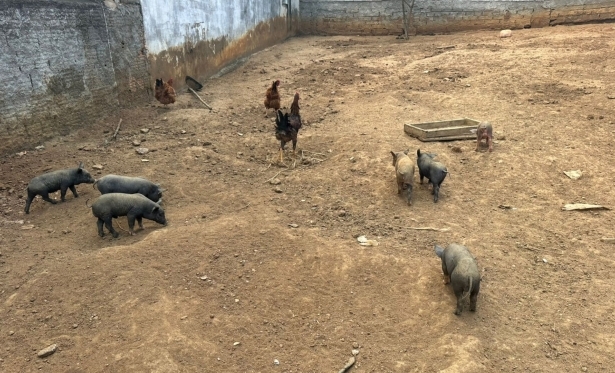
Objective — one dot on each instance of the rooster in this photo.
(288, 126)
(272, 97)
(165, 92)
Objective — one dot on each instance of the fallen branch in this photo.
(119, 226)
(447, 47)
(429, 229)
(583, 206)
(244, 207)
(274, 176)
(117, 129)
(348, 365)
(200, 99)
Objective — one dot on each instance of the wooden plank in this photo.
(445, 130)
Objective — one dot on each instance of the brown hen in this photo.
(164, 92)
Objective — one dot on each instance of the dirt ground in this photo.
(246, 275)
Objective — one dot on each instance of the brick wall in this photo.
(66, 63)
(378, 17)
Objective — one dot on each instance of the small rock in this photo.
(165, 118)
(590, 117)
(145, 160)
(142, 151)
(505, 33)
(183, 132)
(206, 143)
(47, 351)
(277, 190)
(355, 352)
(276, 362)
(355, 345)
(584, 369)
(11, 332)
(203, 278)
(136, 142)
(342, 213)
(97, 167)
(611, 97)
(279, 210)
(293, 225)
(144, 130)
(75, 326)
(544, 260)
(40, 147)
(236, 344)
(275, 182)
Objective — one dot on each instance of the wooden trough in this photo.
(446, 130)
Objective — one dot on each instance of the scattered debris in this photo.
(97, 167)
(136, 142)
(47, 351)
(363, 241)
(236, 344)
(275, 182)
(144, 130)
(506, 207)
(203, 278)
(142, 151)
(608, 239)
(29, 226)
(276, 362)
(505, 33)
(40, 147)
(293, 225)
(574, 175)
(349, 364)
(583, 206)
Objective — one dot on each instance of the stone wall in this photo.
(381, 17)
(197, 38)
(67, 63)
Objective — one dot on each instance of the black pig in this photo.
(460, 269)
(434, 171)
(133, 206)
(129, 185)
(57, 180)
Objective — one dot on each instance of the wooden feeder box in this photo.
(446, 130)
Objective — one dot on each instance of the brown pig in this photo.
(404, 173)
(484, 131)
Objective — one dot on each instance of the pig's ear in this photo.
(80, 165)
(155, 209)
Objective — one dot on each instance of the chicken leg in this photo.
(281, 155)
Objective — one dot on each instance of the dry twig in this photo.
(200, 99)
(117, 129)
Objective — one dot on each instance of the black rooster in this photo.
(287, 126)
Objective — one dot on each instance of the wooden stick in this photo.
(266, 181)
(199, 97)
(428, 229)
(117, 129)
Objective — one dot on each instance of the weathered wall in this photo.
(385, 16)
(66, 63)
(197, 38)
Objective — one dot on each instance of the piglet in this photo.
(61, 180)
(129, 185)
(434, 171)
(404, 173)
(460, 270)
(133, 206)
(484, 131)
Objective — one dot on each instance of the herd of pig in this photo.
(458, 264)
(138, 198)
(133, 197)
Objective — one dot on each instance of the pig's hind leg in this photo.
(109, 225)
(459, 296)
(473, 297)
(100, 224)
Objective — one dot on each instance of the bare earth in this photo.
(231, 286)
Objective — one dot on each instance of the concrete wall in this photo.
(66, 63)
(197, 38)
(377, 17)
